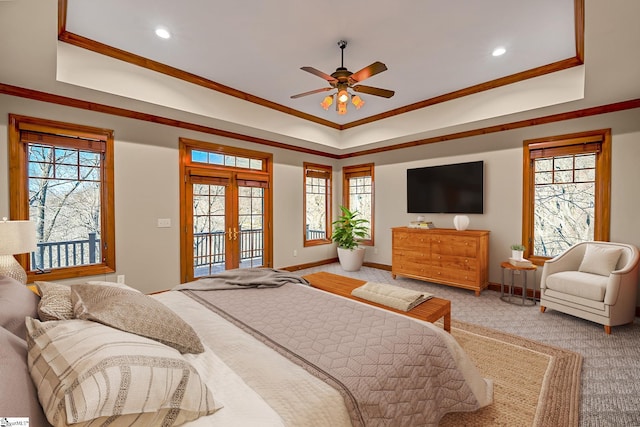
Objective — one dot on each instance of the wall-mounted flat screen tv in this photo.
(456, 188)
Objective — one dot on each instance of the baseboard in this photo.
(331, 261)
(309, 265)
(517, 290)
(378, 266)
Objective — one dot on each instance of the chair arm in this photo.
(623, 283)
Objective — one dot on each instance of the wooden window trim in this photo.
(61, 134)
(356, 171)
(569, 144)
(315, 170)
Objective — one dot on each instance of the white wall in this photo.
(146, 186)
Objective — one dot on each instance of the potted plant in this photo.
(348, 230)
(517, 250)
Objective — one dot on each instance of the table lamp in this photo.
(16, 237)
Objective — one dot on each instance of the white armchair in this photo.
(597, 281)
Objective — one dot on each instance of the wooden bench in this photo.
(430, 310)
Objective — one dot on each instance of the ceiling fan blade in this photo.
(366, 72)
(319, 73)
(385, 93)
(311, 92)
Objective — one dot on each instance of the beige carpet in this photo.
(534, 384)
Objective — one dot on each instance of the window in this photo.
(317, 203)
(357, 193)
(566, 192)
(62, 179)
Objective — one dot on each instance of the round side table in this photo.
(509, 297)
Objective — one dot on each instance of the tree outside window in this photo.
(317, 204)
(358, 194)
(566, 192)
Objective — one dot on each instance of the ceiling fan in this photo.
(343, 79)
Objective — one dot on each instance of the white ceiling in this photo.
(431, 47)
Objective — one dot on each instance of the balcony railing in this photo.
(209, 248)
(71, 253)
(316, 234)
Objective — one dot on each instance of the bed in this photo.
(251, 348)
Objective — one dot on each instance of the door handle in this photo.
(230, 234)
(235, 234)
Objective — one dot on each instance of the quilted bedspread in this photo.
(391, 370)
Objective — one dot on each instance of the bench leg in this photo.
(607, 329)
(447, 322)
(542, 309)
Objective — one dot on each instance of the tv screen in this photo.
(457, 188)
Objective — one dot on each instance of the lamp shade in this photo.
(17, 237)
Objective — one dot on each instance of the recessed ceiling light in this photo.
(163, 33)
(499, 51)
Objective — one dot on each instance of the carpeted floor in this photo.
(610, 394)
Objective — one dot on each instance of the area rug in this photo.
(534, 384)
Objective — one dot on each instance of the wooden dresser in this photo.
(442, 255)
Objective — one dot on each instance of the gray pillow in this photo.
(18, 395)
(136, 313)
(16, 303)
(55, 301)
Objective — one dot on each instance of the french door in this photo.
(225, 218)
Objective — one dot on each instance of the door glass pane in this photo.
(251, 222)
(208, 229)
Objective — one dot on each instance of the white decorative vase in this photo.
(461, 222)
(516, 254)
(351, 259)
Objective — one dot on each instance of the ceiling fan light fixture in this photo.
(357, 102)
(344, 80)
(343, 96)
(327, 101)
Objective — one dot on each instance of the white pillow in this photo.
(87, 373)
(600, 260)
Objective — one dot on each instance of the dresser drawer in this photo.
(454, 245)
(454, 276)
(452, 262)
(410, 241)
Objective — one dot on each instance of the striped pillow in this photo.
(85, 371)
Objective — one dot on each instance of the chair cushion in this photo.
(600, 260)
(576, 283)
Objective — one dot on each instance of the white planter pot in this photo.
(516, 254)
(351, 259)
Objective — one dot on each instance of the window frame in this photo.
(19, 192)
(576, 143)
(327, 171)
(356, 171)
